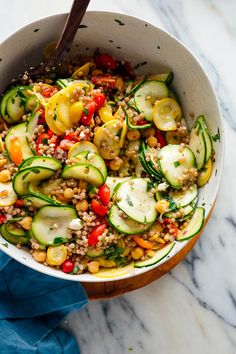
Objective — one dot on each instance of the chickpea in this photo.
(26, 223)
(3, 162)
(152, 141)
(83, 184)
(5, 176)
(162, 206)
(116, 164)
(39, 256)
(133, 135)
(137, 253)
(93, 267)
(82, 205)
(149, 132)
(68, 193)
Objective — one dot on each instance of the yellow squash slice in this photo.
(166, 113)
(81, 146)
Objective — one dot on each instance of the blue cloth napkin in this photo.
(31, 306)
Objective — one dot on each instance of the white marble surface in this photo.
(192, 310)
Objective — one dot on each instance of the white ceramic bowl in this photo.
(137, 41)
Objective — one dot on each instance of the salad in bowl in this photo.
(99, 171)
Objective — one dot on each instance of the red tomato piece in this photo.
(42, 119)
(70, 136)
(3, 218)
(161, 138)
(99, 99)
(107, 81)
(104, 194)
(67, 266)
(98, 208)
(96, 232)
(50, 133)
(141, 122)
(66, 144)
(106, 62)
(47, 92)
(19, 203)
(87, 113)
(168, 224)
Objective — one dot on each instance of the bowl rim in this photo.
(140, 271)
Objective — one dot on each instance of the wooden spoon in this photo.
(64, 43)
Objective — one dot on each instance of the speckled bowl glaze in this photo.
(151, 50)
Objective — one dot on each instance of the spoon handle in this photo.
(72, 24)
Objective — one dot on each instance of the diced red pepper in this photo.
(107, 81)
(67, 266)
(98, 208)
(99, 99)
(104, 194)
(87, 113)
(3, 218)
(70, 136)
(96, 232)
(161, 138)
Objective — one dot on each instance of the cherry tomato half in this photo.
(141, 122)
(47, 92)
(96, 232)
(99, 99)
(87, 113)
(42, 119)
(67, 266)
(104, 194)
(106, 62)
(98, 208)
(19, 203)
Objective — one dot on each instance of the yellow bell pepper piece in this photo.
(83, 70)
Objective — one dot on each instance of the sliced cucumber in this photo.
(19, 132)
(149, 166)
(135, 88)
(85, 172)
(207, 137)
(41, 161)
(93, 159)
(24, 177)
(174, 162)
(31, 103)
(167, 78)
(132, 104)
(158, 256)
(183, 198)
(185, 213)
(15, 107)
(135, 126)
(64, 82)
(11, 238)
(14, 230)
(11, 195)
(39, 200)
(51, 224)
(32, 124)
(94, 252)
(198, 145)
(194, 227)
(125, 225)
(147, 94)
(134, 198)
(112, 183)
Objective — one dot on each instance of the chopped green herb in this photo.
(176, 163)
(129, 201)
(54, 116)
(85, 110)
(217, 136)
(119, 132)
(58, 240)
(35, 170)
(113, 252)
(150, 185)
(198, 151)
(145, 219)
(45, 141)
(172, 204)
(75, 270)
